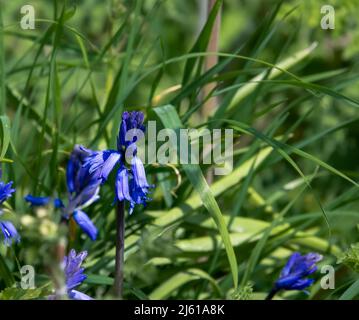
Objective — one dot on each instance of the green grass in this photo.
(287, 89)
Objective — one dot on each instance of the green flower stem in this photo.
(120, 247)
(271, 294)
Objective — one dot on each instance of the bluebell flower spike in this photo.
(294, 274)
(130, 121)
(83, 190)
(131, 183)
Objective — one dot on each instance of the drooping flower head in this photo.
(74, 274)
(83, 190)
(294, 274)
(131, 183)
(83, 187)
(8, 229)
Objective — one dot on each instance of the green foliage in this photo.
(23, 294)
(351, 257)
(244, 293)
(287, 88)
(344, 37)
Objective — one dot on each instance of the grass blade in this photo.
(170, 119)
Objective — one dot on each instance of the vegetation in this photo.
(286, 87)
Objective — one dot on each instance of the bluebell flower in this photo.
(9, 231)
(83, 190)
(6, 191)
(43, 201)
(37, 201)
(294, 274)
(7, 228)
(85, 223)
(74, 274)
(58, 203)
(130, 183)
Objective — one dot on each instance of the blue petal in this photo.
(73, 261)
(112, 159)
(85, 224)
(77, 174)
(5, 191)
(101, 163)
(305, 265)
(58, 203)
(292, 260)
(94, 161)
(302, 284)
(138, 195)
(286, 282)
(9, 231)
(121, 142)
(313, 257)
(76, 279)
(73, 271)
(130, 120)
(122, 186)
(77, 295)
(37, 201)
(296, 269)
(139, 173)
(87, 196)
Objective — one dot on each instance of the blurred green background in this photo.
(69, 80)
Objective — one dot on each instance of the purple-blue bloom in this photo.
(294, 274)
(58, 203)
(7, 228)
(85, 223)
(131, 183)
(130, 121)
(37, 201)
(83, 190)
(74, 274)
(43, 201)
(10, 233)
(6, 191)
